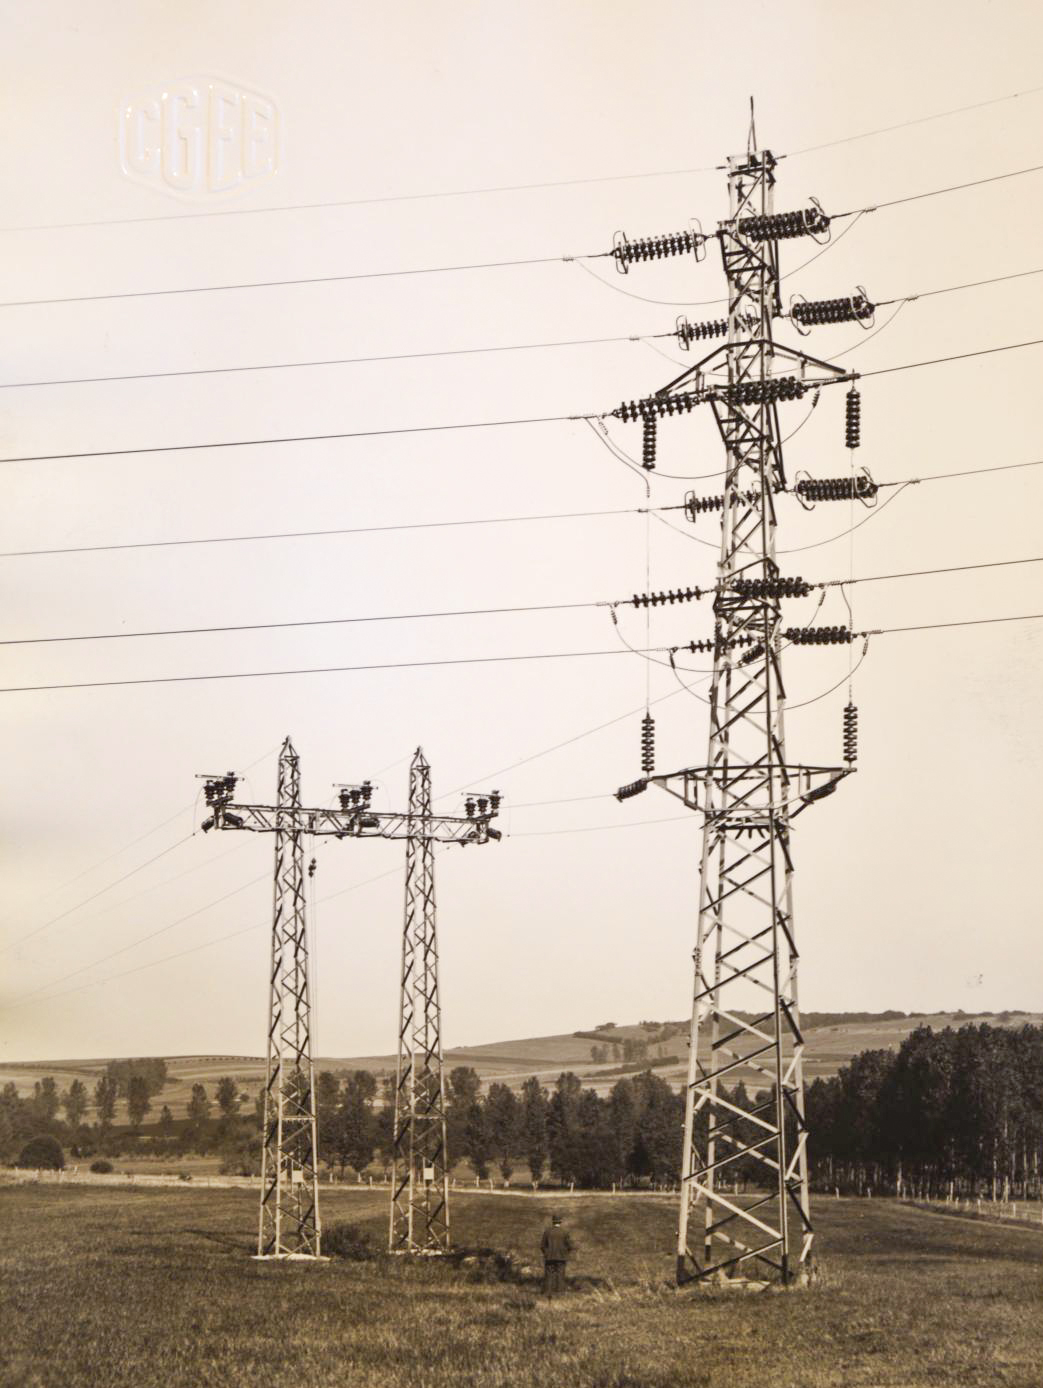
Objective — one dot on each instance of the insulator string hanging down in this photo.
(648, 744)
(853, 422)
(648, 444)
(850, 734)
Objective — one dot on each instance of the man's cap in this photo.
(555, 1218)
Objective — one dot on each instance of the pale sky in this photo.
(917, 884)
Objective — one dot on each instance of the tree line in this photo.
(566, 1134)
(957, 1111)
(63, 1115)
(952, 1111)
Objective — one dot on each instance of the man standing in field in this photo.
(556, 1247)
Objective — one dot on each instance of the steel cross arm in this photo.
(699, 369)
(803, 783)
(355, 823)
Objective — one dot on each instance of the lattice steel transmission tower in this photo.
(747, 792)
(420, 1174)
(289, 1224)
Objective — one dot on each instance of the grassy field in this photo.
(108, 1288)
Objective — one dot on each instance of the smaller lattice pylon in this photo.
(289, 1222)
(419, 1217)
(420, 1175)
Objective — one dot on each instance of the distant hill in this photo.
(832, 1038)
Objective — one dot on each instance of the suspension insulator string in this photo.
(648, 744)
(850, 733)
(648, 444)
(853, 422)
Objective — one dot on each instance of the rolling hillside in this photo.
(832, 1039)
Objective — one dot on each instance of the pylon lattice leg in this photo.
(420, 1176)
(746, 948)
(289, 1225)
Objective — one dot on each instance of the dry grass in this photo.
(112, 1288)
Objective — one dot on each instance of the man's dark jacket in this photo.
(556, 1244)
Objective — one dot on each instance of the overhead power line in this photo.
(925, 573)
(309, 622)
(597, 828)
(317, 534)
(918, 120)
(958, 356)
(952, 288)
(474, 780)
(494, 190)
(432, 428)
(125, 973)
(333, 361)
(318, 670)
(435, 525)
(100, 892)
(311, 279)
(446, 352)
(965, 472)
(143, 939)
(457, 612)
(451, 269)
(500, 771)
(936, 192)
(116, 853)
(418, 664)
(294, 438)
(968, 622)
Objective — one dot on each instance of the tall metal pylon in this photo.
(420, 1173)
(745, 1021)
(289, 1225)
(747, 945)
(289, 1222)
